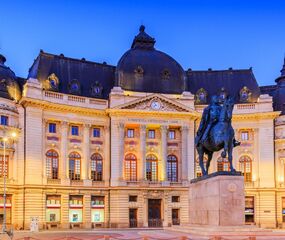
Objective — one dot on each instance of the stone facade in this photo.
(34, 193)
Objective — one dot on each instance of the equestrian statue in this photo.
(216, 132)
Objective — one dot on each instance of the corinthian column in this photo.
(121, 148)
(164, 152)
(107, 160)
(63, 151)
(143, 151)
(86, 151)
(184, 176)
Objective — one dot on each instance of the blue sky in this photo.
(198, 34)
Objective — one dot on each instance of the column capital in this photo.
(86, 125)
(121, 125)
(185, 128)
(164, 128)
(64, 123)
(143, 127)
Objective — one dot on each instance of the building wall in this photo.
(29, 184)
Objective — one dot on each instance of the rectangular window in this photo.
(283, 209)
(52, 128)
(175, 217)
(249, 209)
(4, 120)
(171, 134)
(130, 133)
(74, 130)
(96, 132)
(4, 169)
(53, 208)
(175, 199)
(133, 198)
(75, 209)
(151, 134)
(8, 209)
(244, 135)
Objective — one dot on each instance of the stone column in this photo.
(86, 151)
(143, 152)
(106, 160)
(63, 151)
(164, 152)
(121, 149)
(184, 172)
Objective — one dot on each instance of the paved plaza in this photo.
(139, 234)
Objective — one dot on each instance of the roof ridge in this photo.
(222, 70)
(83, 60)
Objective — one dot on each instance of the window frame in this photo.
(151, 134)
(152, 161)
(74, 157)
(245, 163)
(171, 133)
(96, 161)
(4, 120)
(51, 170)
(2, 170)
(52, 129)
(130, 133)
(98, 135)
(130, 167)
(172, 161)
(73, 127)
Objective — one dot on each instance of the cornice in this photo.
(143, 113)
(61, 107)
(256, 116)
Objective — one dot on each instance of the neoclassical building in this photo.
(113, 146)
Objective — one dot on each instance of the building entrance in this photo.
(154, 213)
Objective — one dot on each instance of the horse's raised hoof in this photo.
(233, 170)
(223, 154)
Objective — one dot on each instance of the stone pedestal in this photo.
(217, 200)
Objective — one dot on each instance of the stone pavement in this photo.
(137, 234)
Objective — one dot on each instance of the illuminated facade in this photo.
(113, 146)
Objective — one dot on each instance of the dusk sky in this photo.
(198, 34)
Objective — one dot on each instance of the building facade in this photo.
(113, 146)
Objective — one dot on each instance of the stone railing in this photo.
(72, 100)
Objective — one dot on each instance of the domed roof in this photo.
(145, 69)
(9, 87)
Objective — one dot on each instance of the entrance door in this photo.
(175, 217)
(133, 217)
(154, 213)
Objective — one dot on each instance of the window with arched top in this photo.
(52, 164)
(198, 168)
(223, 165)
(96, 167)
(245, 164)
(172, 168)
(130, 167)
(74, 166)
(151, 167)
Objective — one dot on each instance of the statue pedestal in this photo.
(217, 200)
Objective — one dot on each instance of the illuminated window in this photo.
(2, 170)
(172, 168)
(198, 169)
(52, 164)
(96, 132)
(74, 130)
(249, 209)
(8, 209)
(53, 208)
(244, 135)
(151, 134)
(130, 133)
(4, 120)
(96, 167)
(151, 167)
(171, 134)
(246, 168)
(131, 167)
(52, 128)
(223, 165)
(74, 166)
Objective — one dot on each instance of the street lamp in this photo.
(12, 135)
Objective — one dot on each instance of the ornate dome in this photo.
(9, 87)
(144, 69)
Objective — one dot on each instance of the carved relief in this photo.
(244, 94)
(201, 96)
(74, 86)
(96, 89)
(51, 83)
(165, 74)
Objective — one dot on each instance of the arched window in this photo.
(172, 171)
(198, 169)
(130, 167)
(74, 166)
(245, 164)
(223, 165)
(52, 164)
(151, 167)
(96, 167)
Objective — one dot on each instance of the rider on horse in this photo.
(209, 118)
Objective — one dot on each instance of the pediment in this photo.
(155, 102)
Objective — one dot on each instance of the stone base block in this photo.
(217, 200)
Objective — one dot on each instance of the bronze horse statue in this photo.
(220, 136)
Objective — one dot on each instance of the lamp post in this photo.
(5, 172)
